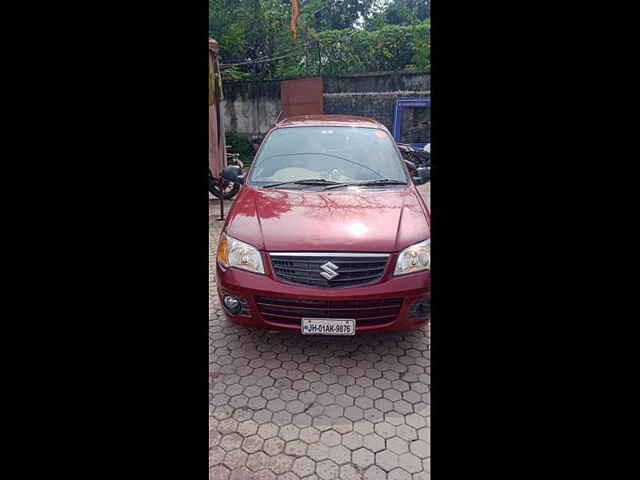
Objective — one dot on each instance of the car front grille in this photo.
(292, 310)
(349, 269)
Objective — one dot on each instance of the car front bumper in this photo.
(388, 305)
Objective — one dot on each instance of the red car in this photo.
(328, 235)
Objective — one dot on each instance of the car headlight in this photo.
(415, 258)
(234, 253)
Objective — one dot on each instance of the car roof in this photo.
(329, 120)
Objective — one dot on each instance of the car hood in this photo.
(352, 220)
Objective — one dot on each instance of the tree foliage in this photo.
(347, 36)
(391, 47)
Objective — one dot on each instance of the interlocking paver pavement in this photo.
(292, 407)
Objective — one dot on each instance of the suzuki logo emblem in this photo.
(329, 271)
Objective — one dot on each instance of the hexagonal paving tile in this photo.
(364, 403)
(412, 396)
(403, 407)
(399, 474)
(353, 413)
(322, 423)
(384, 405)
(373, 393)
(374, 473)
(387, 460)
(303, 466)
(410, 463)
(247, 428)
(406, 432)
(398, 445)
(420, 449)
(241, 473)
(325, 399)
(400, 385)
(239, 401)
(309, 435)
(265, 475)
(327, 470)
(374, 415)
(301, 385)
(282, 418)
(273, 446)
(343, 425)
(295, 406)
(416, 421)
(257, 403)
(340, 454)
(252, 391)
(297, 448)
(231, 441)
(318, 451)
(252, 444)
(382, 383)
(374, 442)
(349, 472)
(330, 438)
(334, 411)
(289, 432)
(267, 430)
(363, 427)
(385, 430)
(362, 458)
(288, 476)
(276, 405)
(219, 472)
(288, 395)
(352, 440)
(394, 418)
(319, 387)
(257, 461)
(302, 420)
(262, 416)
(228, 425)
(216, 455)
(392, 395)
(281, 463)
(235, 459)
(337, 389)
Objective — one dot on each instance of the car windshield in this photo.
(330, 154)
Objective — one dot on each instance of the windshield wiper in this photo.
(382, 181)
(306, 181)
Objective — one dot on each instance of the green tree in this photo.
(389, 35)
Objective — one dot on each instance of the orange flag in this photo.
(295, 13)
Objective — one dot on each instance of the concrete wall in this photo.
(373, 94)
(251, 108)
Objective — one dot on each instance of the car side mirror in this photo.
(233, 173)
(421, 176)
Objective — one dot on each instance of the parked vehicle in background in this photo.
(412, 121)
(229, 189)
(329, 235)
(416, 157)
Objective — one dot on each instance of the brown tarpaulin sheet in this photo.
(216, 121)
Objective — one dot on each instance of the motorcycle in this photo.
(229, 189)
(416, 158)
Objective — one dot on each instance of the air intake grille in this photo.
(329, 270)
(365, 312)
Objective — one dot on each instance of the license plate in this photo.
(328, 326)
